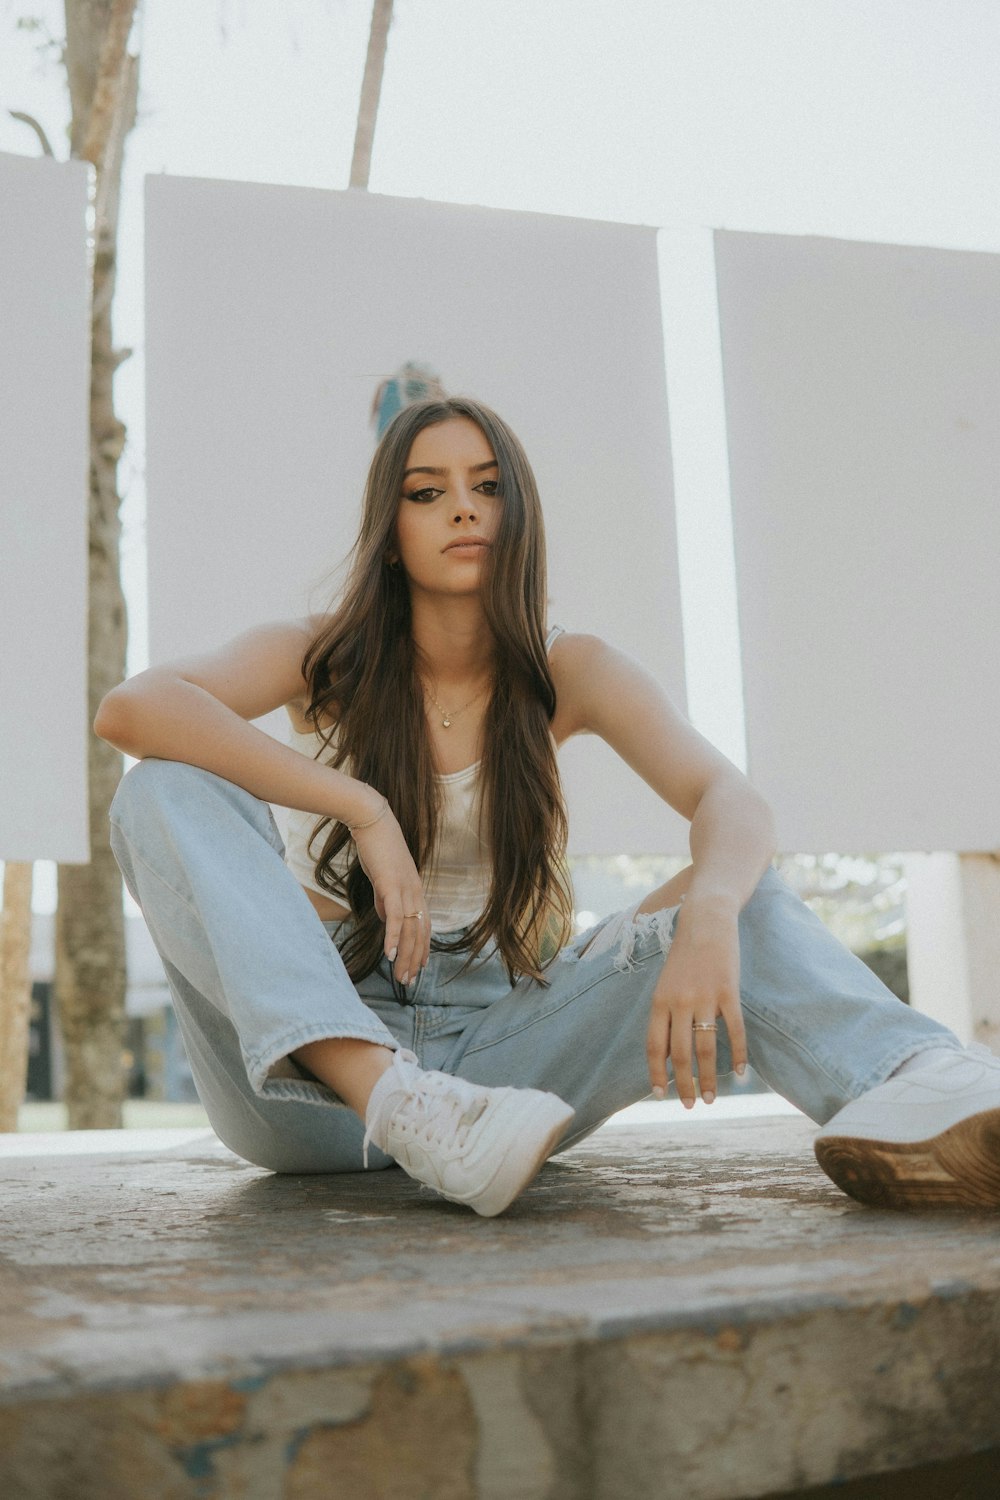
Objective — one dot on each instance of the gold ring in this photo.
(704, 1026)
(408, 914)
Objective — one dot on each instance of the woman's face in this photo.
(449, 509)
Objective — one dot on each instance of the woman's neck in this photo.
(454, 643)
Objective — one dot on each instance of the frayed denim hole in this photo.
(601, 940)
(624, 930)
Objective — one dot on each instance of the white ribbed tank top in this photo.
(457, 884)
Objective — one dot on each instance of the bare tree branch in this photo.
(371, 88)
(108, 89)
(18, 114)
(109, 178)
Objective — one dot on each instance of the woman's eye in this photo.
(422, 497)
(493, 483)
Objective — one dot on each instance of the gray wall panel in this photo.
(863, 410)
(273, 312)
(44, 437)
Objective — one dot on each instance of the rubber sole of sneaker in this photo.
(960, 1168)
(515, 1174)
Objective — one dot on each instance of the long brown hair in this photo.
(362, 673)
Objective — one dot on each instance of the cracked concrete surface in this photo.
(695, 1301)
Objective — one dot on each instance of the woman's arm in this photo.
(603, 691)
(732, 842)
(196, 710)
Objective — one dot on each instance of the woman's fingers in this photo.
(399, 897)
(658, 1049)
(421, 924)
(411, 945)
(680, 1057)
(392, 911)
(690, 1042)
(737, 1034)
(704, 1047)
(407, 934)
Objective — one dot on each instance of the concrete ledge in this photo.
(681, 1308)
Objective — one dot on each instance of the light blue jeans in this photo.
(255, 973)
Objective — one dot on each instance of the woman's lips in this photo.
(473, 544)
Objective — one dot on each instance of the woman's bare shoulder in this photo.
(310, 627)
(573, 657)
(573, 651)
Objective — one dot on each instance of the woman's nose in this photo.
(465, 508)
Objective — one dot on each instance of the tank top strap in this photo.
(555, 632)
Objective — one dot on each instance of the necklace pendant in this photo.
(446, 723)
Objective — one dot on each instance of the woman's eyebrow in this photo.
(473, 469)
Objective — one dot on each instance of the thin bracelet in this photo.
(353, 828)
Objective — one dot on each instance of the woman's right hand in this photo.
(388, 863)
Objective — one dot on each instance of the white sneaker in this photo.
(474, 1145)
(926, 1138)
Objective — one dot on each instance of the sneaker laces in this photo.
(436, 1109)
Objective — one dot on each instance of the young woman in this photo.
(404, 976)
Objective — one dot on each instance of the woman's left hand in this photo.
(700, 981)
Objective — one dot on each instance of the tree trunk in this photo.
(15, 989)
(90, 927)
(371, 89)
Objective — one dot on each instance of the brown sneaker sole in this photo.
(960, 1168)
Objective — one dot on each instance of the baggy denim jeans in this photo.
(254, 974)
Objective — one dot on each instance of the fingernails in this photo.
(659, 1093)
(741, 1069)
(689, 1104)
(405, 979)
(708, 1096)
(392, 955)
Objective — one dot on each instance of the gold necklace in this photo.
(448, 714)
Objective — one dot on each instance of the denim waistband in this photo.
(340, 927)
(444, 982)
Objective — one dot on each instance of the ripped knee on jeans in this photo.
(621, 933)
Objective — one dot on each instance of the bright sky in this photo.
(859, 119)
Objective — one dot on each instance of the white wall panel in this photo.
(44, 378)
(272, 315)
(863, 408)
